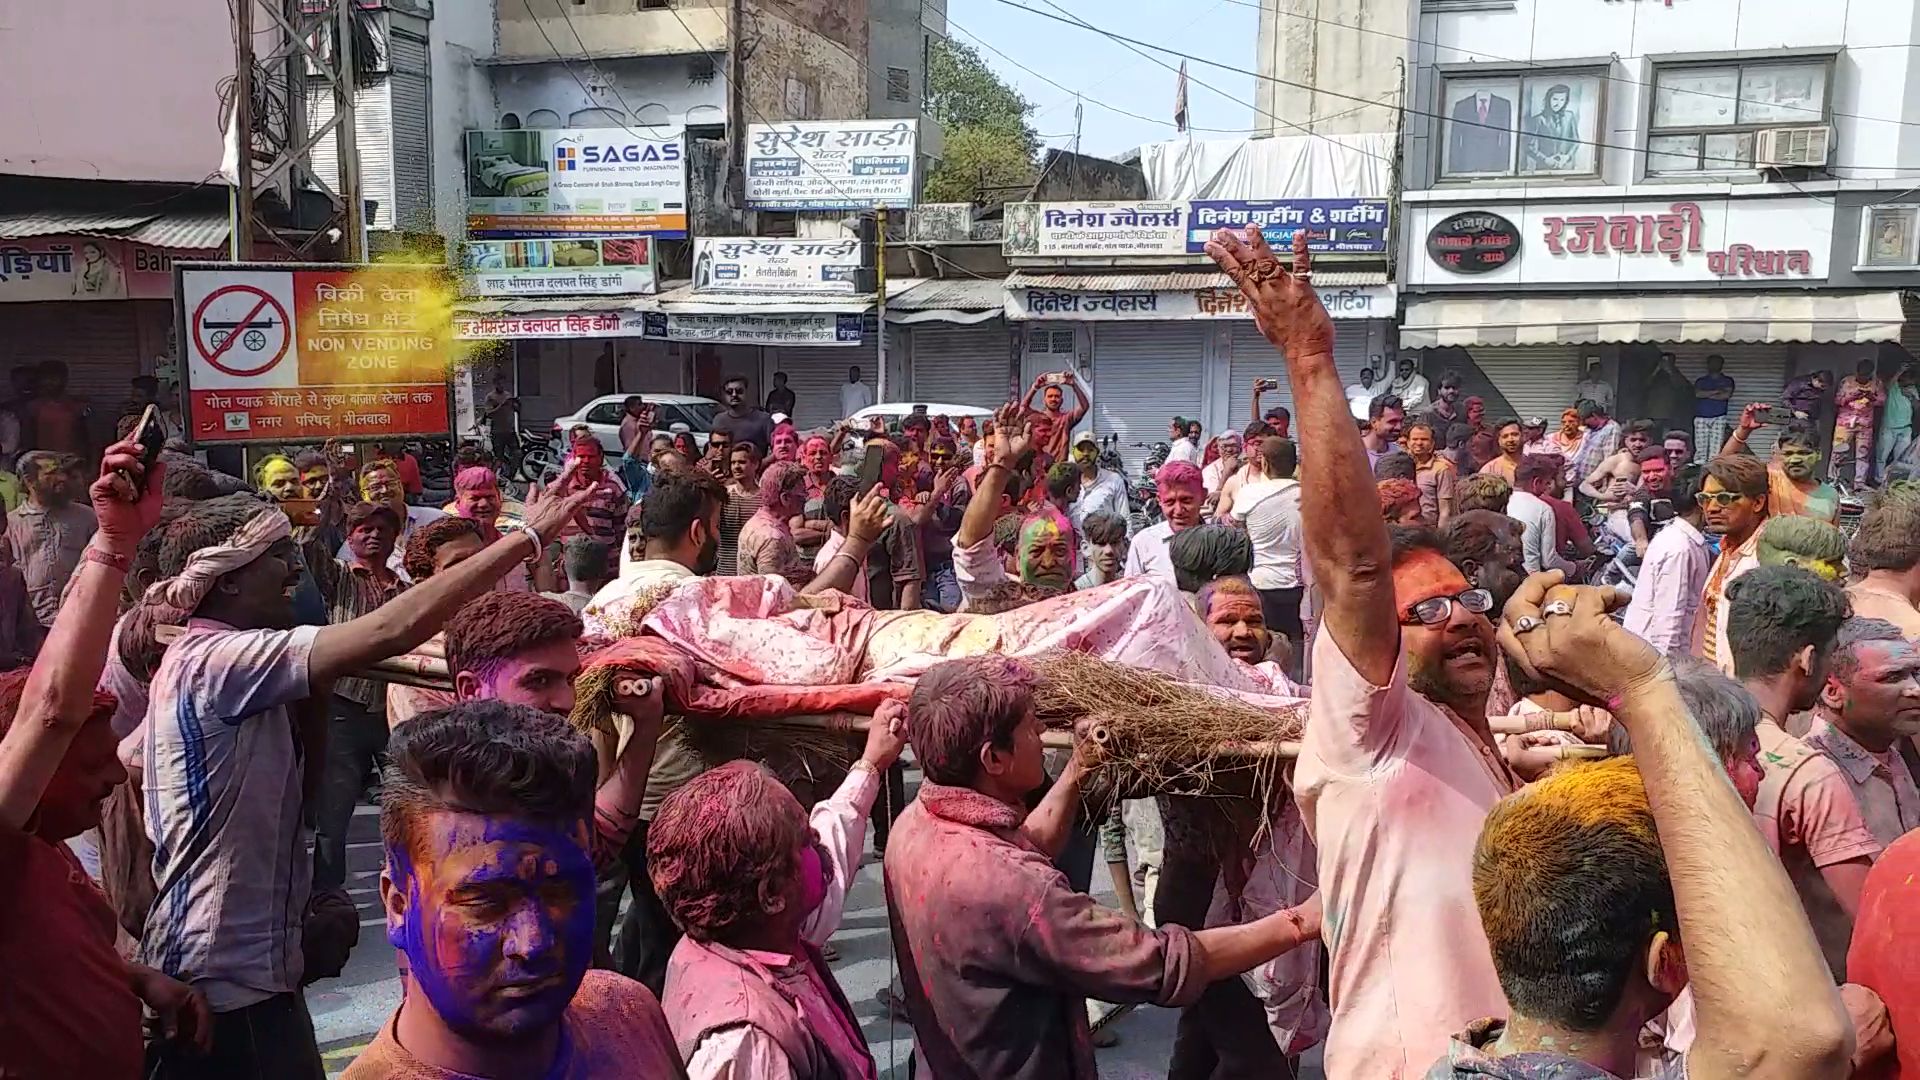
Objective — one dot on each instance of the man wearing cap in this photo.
(1534, 438)
(1102, 491)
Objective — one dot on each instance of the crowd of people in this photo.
(1608, 766)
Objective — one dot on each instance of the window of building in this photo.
(645, 4)
(801, 99)
(1709, 118)
(1043, 341)
(899, 84)
(1540, 124)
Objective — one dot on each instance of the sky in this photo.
(1109, 73)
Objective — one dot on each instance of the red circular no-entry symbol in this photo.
(249, 336)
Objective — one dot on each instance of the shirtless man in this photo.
(1613, 481)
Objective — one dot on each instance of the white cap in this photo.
(779, 418)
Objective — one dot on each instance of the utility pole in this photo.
(280, 134)
(880, 283)
(736, 104)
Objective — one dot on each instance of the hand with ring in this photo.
(1576, 647)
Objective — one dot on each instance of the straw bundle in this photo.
(1153, 735)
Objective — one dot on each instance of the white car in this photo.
(603, 414)
(895, 411)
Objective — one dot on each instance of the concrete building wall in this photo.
(114, 89)
(1874, 75)
(1358, 48)
(806, 60)
(608, 28)
(659, 90)
(461, 38)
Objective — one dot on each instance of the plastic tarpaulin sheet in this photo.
(1280, 167)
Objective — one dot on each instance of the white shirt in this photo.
(854, 396)
(1673, 577)
(1151, 554)
(1412, 393)
(1184, 449)
(1107, 494)
(1360, 397)
(1271, 511)
(1540, 544)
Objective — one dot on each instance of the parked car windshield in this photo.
(697, 415)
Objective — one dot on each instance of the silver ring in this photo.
(1527, 623)
(1557, 607)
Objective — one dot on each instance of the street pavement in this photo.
(348, 1010)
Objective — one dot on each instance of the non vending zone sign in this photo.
(280, 354)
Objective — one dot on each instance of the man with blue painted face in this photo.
(488, 890)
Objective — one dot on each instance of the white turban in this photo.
(174, 600)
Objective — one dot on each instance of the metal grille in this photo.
(411, 87)
(1252, 356)
(899, 84)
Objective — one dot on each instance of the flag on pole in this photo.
(1180, 99)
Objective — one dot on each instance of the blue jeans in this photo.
(941, 591)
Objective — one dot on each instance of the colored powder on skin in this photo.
(462, 956)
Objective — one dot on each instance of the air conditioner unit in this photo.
(1794, 146)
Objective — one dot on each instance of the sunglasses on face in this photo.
(1718, 498)
(1437, 610)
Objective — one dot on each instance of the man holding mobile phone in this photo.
(1052, 426)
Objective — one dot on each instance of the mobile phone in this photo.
(1269, 384)
(872, 468)
(152, 438)
(1055, 378)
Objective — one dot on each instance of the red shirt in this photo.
(67, 1008)
(1885, 955)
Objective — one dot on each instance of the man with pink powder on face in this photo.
(1182, 493)
(488, 891)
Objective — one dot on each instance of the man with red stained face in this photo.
(1398, 767)
(489, 894)
(605, 516)
(1182, 494)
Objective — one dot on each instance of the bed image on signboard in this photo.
(507, 165)
(505, 178)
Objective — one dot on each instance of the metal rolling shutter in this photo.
(815, 375)
(963, 365)
(1910, 333)
(373, 138)
(1535, 380)
(1143, 375)
(1252, 356)
(411, 89)
(1759, 373)
(98, 341)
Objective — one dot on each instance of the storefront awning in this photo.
(1584, 320)
(199, 230)
(955, 300)
(684, 301)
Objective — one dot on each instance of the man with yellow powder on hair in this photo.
(1587, 881)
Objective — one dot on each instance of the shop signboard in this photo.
(832, 164)
(1094, 229)
(539, 182)
(752, 264)
(1640, 242)
(1333, 226)
(1027, 304)
(573, 324)
(289, 353)
(598, 265)
(1475, 242)
(771, 328)
(85, 268)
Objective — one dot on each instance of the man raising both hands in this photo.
(1398, 768)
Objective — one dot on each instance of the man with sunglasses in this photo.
(1734, 503)
(1398, 766)
(742, 420)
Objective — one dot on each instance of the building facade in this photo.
(1592, 184)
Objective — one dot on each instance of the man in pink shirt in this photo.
(1398, 768)
(1781, 623)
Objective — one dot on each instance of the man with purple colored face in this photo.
(488, 890)
(1182, 493)
(758, 885)
(476, 497)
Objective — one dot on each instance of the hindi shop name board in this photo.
(1473, 243)
(280, 353)
(85, 268)
(597, 265)
(1094, 229)
(1648, 242)
(539, 182)
(1024, 305)
(786, 328)
(750, 264)
(833, 165)
(1333, 226)
(589, 324)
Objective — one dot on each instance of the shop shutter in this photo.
(1910, 333)
(1143, 375)
(815, 375)
(1534, 380)
(99, 341)
(1252, 356)
(1759, 373)
(373, 139)
(962, 365)
(410, 87)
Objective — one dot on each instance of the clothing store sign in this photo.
(1349, 302)
(760, 265)
(1637, 242)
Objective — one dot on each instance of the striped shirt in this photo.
(351, 591)
(231, 868)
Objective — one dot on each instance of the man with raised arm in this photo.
(1398, 767)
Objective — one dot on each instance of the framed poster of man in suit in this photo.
(1480, 127)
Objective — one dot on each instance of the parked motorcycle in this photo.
(1143, 493)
